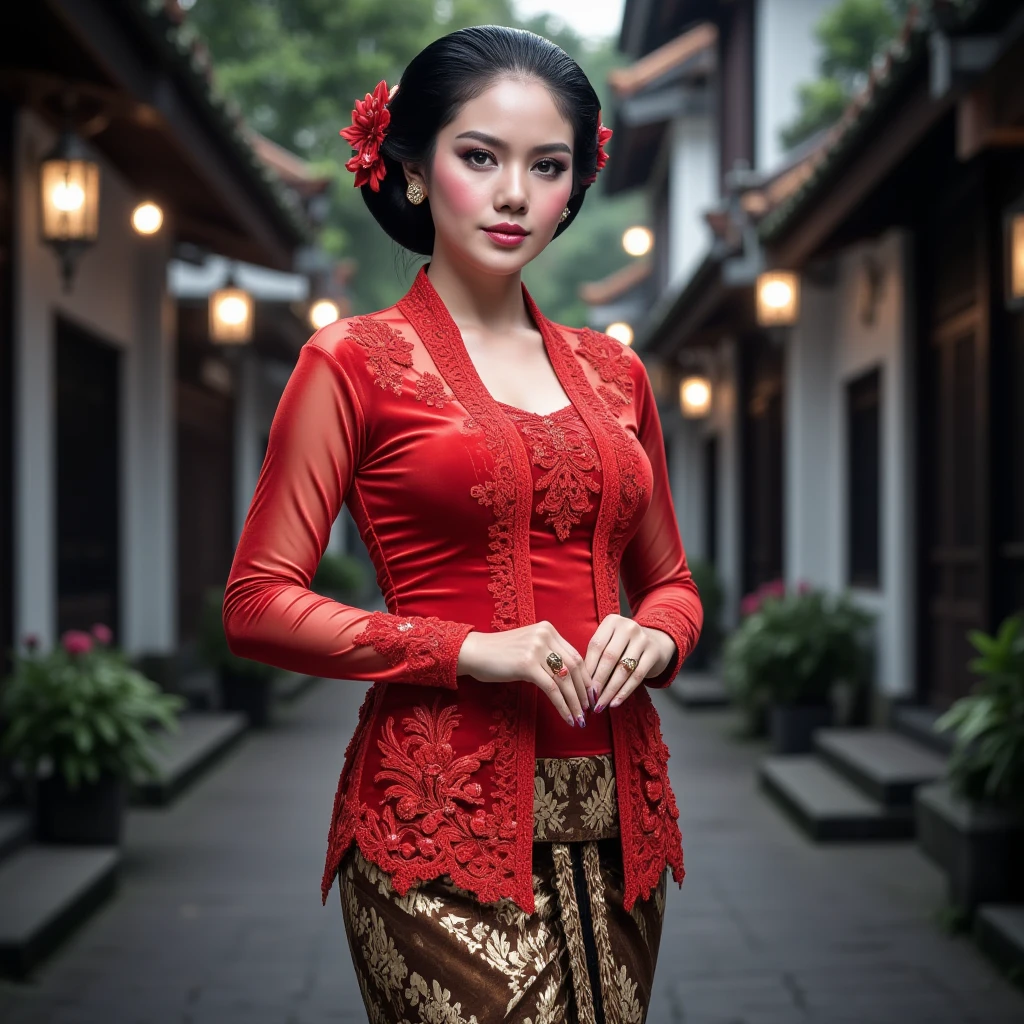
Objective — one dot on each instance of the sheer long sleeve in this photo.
(316, 441)
(657, 580)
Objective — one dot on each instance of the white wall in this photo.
(785, 54)
(119, 295)
(832, 345)
(692, 188)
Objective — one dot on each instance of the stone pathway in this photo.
(218, 917)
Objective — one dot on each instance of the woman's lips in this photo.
(505, 238)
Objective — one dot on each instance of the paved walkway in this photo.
(218, 917)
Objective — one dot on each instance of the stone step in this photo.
(203, 738)
(917, 722)
(885, 765)
(46, 892)
(15, 829)
(699, 690)
(827, 806)
(999, 931)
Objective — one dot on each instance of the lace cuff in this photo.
(679, 629)
(424, 647)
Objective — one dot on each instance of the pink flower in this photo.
(774, 588)
(31, 642)
(370, 120)
(750, 604)
(103, 634)
(75, 641)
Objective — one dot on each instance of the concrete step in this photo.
(885, 765)
(827, 806)
(999, 931)
(917, 722)
(203, 737)
(46, 892)
(699, 690)
(15, 829)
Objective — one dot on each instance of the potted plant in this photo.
(972, 822)
(342, 577)
(711, 598)
(788, 655)
(245, 685)
(79, 725)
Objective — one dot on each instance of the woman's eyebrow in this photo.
(491, 140)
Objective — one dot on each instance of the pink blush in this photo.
(459, 195)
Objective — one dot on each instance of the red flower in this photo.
(75, 641)
(603, 135)
(102, 634)
(370, 120)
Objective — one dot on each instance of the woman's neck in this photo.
(488, 303)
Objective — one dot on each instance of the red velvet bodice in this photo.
(477, 516)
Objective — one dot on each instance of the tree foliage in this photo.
(850, 34)
(296, 66)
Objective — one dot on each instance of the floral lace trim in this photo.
(612, 363)
(387, 352)
(430, 389)
(428, 645)
(565, 451)
(671, 623)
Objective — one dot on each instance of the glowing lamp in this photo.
(231, 310)
(695, 397)
(1015, 261)
(637, 241)
(620, 331)
(147, 218)
(323, 312)
(69, 190)
(778, 299)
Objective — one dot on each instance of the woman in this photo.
(503, 821)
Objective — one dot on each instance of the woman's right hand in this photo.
(521, 653)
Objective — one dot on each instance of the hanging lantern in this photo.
(778, 299)
(1015, 261)
(69, 191)
(695, 397)
(231, 315)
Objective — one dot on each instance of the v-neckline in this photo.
(424, 289)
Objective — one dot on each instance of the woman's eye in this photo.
(549, 168)
(475, 153)
(554, 167)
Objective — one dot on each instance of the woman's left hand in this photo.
(618, 637)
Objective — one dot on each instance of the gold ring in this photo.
(555, 661)
(629, 664)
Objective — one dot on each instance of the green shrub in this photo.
(987, 765)
(339, 576)
(85, 709)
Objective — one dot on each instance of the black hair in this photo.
(445, 75)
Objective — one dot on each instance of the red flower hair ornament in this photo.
(370, 121)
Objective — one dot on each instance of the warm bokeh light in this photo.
(71, 200)
(620, 331)
(231, 316)
(323, 312)
(778, 298)
(637, 241)
(68, 196)
(147, 218)
(1017, 258)
(695, 397)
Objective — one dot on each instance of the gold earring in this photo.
(565, 213)
(414, 193)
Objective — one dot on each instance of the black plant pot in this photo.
(91, 815)
(793, 726)
(980, 848)
(250, 694)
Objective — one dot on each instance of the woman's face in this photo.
(506, 159)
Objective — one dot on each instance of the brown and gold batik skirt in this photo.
(438, 954)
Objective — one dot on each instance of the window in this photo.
(864, 509)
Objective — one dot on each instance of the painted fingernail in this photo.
(563, 671)
(599, 709)
(571, 720)
(582, 721)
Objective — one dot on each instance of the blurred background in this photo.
(811, 230)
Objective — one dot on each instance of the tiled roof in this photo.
(629, 80)
(608, 289)
(891, 68)
(181, 44)
(291, 169)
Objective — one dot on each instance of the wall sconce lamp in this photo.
(778, 299)
(231, 314)
(1015, 259)
(695, 397)
(69, 190)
